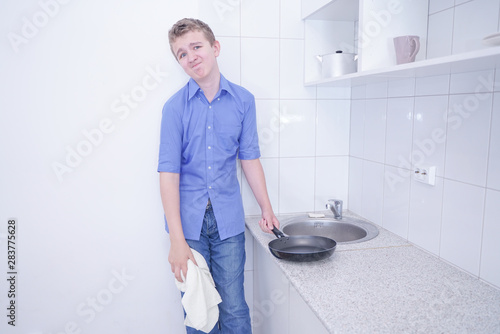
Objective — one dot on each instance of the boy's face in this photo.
(195, 54)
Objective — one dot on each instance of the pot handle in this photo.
(278, 233)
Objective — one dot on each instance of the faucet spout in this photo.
(335, 205)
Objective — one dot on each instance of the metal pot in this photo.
(338, 63)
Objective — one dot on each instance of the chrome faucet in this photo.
(336, 206)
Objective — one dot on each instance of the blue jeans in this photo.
(226, 260)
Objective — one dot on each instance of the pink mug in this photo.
(406, 48)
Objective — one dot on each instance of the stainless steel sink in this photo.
(345, 231)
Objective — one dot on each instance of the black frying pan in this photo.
(301, 248)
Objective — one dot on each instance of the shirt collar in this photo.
(193, 88)
(224, 85)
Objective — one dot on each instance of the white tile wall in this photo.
(271, 171)
(332, 129)
(292, 71)
(478, 82)
(268, 125)
(456, 127)
(331, 181)
(358, 92)
(468, 138)
(296, 184)
(459, 27)
(490, 270)
(429, 129)
(461, 229)
(291, 23)
(260, 18)
(425, 215)
(229, 60)
(376, 90)
(260, 70)
(374, 130)
(333, 92)
(435, 85)
(440, 34)
(223, 20)
(373, 189)
(439, 5)
(355, 184)
(399, 131)
(297, 128)
(494, 154)
(357, 128)
(473, 21)
(396, 200)
(401, 87)
(497, 78)
(298, 124)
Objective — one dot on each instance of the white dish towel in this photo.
(200, 297)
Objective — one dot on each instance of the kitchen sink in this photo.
(344, 231)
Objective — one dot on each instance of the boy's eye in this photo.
(197, 47)
(182, 55)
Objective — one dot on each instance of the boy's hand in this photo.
(178, 257)
(268, 221)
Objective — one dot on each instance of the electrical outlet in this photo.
(425, 174)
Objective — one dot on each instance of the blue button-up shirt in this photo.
(201, 140)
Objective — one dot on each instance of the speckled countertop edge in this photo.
(387, 285)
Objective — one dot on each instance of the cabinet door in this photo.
(310, 6)
(270, 312)
(302, 318)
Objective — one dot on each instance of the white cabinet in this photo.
(367, 27)
(364, 27)
(302, 319)
(339, 10)
(382, 20)
(277, 307)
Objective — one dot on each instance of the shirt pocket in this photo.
(229, 136)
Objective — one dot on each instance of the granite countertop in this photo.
(387, 285)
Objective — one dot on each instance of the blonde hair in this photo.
(186, 25)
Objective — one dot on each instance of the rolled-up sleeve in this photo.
(249, 139)
(169, 159)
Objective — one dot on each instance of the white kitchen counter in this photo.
(387, 285)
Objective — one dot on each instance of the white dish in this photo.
(493, 39)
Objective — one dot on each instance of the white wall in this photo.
(90, 78)
(448, 121)
(93, 234)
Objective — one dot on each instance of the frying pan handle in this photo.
(277, 233)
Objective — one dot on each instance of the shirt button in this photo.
(209, 187)
(209, 167)
(209, 127)
(209, 107)
(218, 99)
(210, 147)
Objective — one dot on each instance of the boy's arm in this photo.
(257, 181)
(179, 249)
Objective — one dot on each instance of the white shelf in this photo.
(466, 62)
(336, 10)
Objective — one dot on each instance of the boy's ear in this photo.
(216, 48)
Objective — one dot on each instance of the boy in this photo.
(205, 126)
